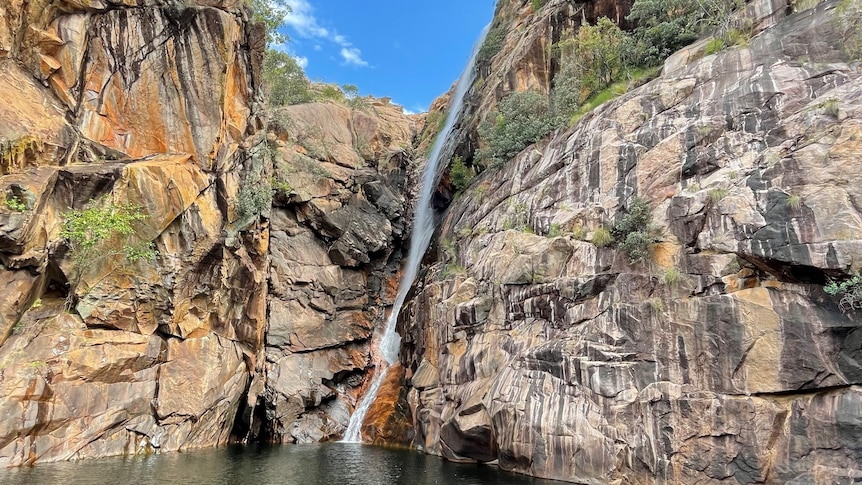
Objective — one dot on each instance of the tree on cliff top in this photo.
(271, 13)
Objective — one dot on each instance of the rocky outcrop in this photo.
(720, 359)
(339, 222)
(109, 100)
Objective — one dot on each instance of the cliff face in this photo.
(115, 99)
(339, 221)
(242, 328)
(720, 359)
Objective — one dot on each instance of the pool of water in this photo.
(329, 464)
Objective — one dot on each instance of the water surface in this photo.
(323, 464)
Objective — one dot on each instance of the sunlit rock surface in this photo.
(720, 359)
(101, 100)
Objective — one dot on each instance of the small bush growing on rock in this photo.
(16, 204)
(253, 199)
(602, 237)
(670, 276)
(520, 119)
(88, 231)
(794, 201)
(714, 45)
(492, 45)
(716, 195)
(555, 230)
(85, 230)
(633, 233)
(849, 290)
(460, 174)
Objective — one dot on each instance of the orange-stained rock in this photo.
(388, 421)
(32, 124)
(140, 356)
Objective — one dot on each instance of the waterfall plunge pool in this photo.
(311, 464)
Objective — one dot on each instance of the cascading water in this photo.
(423, 229)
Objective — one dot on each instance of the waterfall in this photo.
(423, 229)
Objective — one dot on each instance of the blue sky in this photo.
(411, 51)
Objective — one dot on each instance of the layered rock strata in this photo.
(720, 359)
(339, 221)
(114, 101)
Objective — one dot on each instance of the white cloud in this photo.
(317, 47)
(352, 55)
(302, 20)
(301, 61)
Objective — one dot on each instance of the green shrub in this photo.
(520, 119)
(460, 174)
(716, 195)
(664, 26)
(253, 199)
(830, 107)
(633, 232)
(283, 80)
(537, 4)
(555, 230)
(849, 290)
(794, 201)
(16, 204)
(602, 237)
(492, 45)
(599, 54)
(670, 276)
(714, 45)
(85, 230)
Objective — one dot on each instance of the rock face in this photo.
(720, 359)
(114, 99)
(338, 225)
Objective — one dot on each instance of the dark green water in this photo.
(323, 464)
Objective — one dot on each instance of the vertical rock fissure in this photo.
(423, 229)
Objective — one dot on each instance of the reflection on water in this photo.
(329, 464)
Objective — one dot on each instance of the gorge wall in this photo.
(253, 322)
(718, 360)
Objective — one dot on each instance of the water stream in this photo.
(423, 229)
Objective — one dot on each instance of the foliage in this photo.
(566, 93)
(283, 79)
(460, 174)
(631, 77)
(714, 45)
(16, 204)
(794, 201)
(271, 13)
(602, 237)
(580, 232)
(537, 4)
(520, 119)
(716, 195)
(670, 276)
(555, 230)
(598, 54)
(847, 14)
(663, 26)
(849, 290)
(633, 231)
(85, 230)
(492, 45)
(830, 107)
(253, 198)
